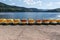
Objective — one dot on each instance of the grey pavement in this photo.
(29, 32)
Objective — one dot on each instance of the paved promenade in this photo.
(29, 32)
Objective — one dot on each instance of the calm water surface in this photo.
(34, 15)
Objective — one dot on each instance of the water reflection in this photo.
(34, 15)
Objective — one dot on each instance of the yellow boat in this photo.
(53, 21)
(46, 21)
(38, 21)
(16, 21)
(58, 21)
(23, 21)
(2, 21)
(8, 21)
(31, 21)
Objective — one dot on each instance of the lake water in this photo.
(34, 15)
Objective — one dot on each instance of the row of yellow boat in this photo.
(29, 21)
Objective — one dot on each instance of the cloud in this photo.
(53, 3)
(32, 2)
(39, 3)
(4, 0)
(10, 0)
(29, 2)
(49, 4)
(57, 3)
(19, 0)
(13, 3)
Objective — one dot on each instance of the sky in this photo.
(40, 4)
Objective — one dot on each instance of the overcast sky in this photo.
(40, 4)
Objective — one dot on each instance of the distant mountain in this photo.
(53, 10)
(9, 8)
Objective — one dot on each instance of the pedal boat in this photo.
(24, 22)
(38, 22)
(16, 21)
(31, 21)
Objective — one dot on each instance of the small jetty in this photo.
(28, 21)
